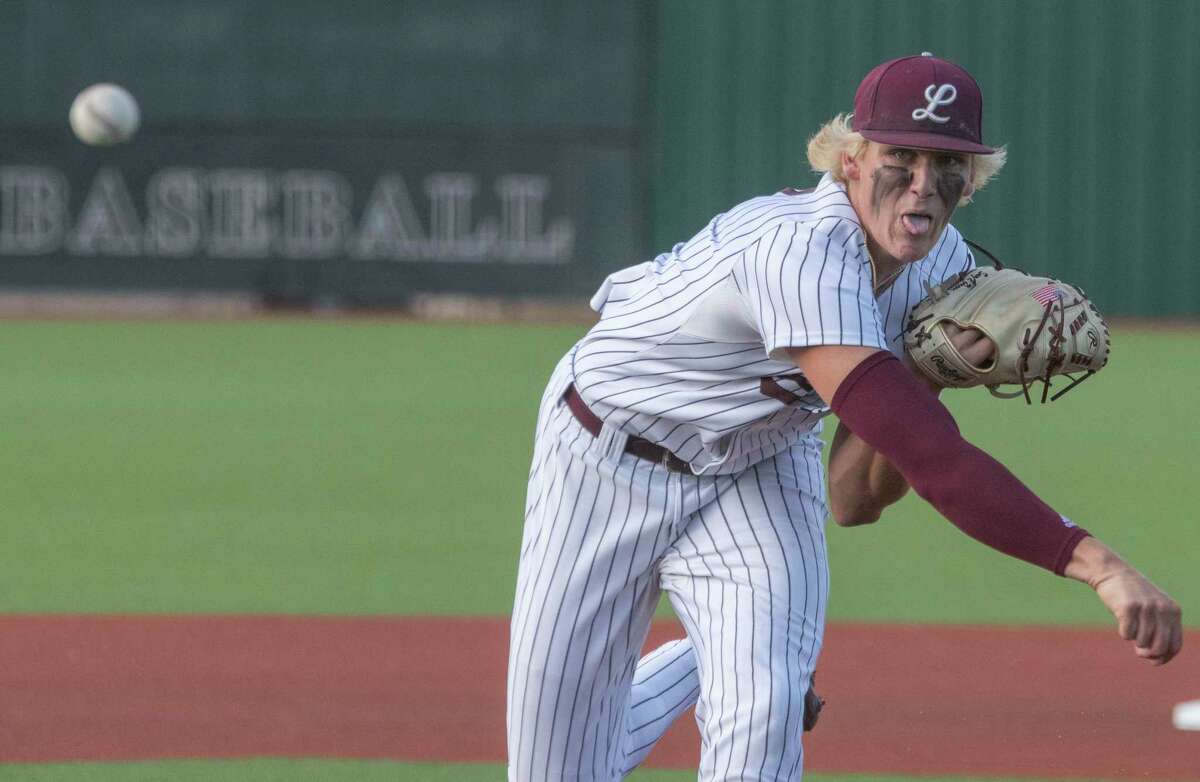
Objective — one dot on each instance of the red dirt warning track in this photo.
(902, 699)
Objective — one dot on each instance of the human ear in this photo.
(850, 167)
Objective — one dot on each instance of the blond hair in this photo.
(826, 146)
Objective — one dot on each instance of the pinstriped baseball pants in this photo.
(742, 559)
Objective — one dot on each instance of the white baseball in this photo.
(1186, 716)
(104, 114)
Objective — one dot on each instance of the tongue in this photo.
(915, 224)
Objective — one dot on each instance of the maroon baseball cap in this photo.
(921, 101)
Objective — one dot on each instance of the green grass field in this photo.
(341, 771)
(350, 467)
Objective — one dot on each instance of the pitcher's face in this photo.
(904, 197)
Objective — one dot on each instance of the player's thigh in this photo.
(757, 543)
(754, 559)
(748, 577)
(587, 587)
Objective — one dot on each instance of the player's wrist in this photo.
(1092, 562)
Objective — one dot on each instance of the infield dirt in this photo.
(902, 699)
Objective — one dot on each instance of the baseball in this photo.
(1186, 716)
(104, 114)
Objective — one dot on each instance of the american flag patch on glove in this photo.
(1047, 294)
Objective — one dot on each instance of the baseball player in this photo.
(677, 449)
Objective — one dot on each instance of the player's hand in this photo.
(1145, 614)
(972, 344)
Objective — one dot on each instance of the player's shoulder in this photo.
(822, 210)
(820, 206)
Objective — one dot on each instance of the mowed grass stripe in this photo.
(269, 466)
(349, 467)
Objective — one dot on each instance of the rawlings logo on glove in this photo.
(1042, 328)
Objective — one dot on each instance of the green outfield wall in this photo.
(517, 64)
(359, 153)
(329, 154)
(1096, 100)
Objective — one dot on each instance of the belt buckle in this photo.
(674, 464)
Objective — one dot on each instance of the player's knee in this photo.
(764, 726)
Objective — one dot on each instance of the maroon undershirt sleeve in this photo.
(885, 406)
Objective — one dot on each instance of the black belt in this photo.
(643, 449)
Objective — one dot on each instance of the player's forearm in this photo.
(886, 408)
(861, 481)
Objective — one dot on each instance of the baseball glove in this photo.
(1041, 327)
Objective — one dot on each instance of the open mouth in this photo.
(916, 223)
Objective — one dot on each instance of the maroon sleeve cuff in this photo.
(884, 405)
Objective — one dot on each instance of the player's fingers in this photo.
(952, 329)
(1174, 633)
(1127, 623)
(960, 337)
(980, 352)
(971, 344)
(1172, 649)
(1169, 636)
(1165, 638)
(1176, 644)
(1147, 628)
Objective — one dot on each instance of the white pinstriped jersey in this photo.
(688, 352)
